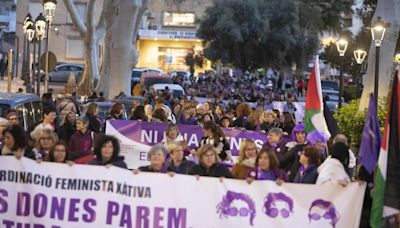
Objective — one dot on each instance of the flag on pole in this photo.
(371, 138)
(386, 197)
(314, 115)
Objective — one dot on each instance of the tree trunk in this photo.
(389, 10)
(122, 20)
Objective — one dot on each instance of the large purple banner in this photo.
(137, 137)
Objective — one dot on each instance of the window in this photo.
(37, 110)
(20, 113)
(63, 68)
(75, 49)
(75, 68)
(5, 10)
(30, 119)
(178, 19)
(81, 8)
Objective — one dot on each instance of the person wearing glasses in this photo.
(44, 143)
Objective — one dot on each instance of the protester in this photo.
(138, 113)
(178, 163)
(332, 170)
(44, 143)
(254, 121)
(188, 117)
(67, 128)
(16, 143)
(148, 110)
(172, 135)
(116, 112)
(65, 105)
(318, 140)
(12, 117)
(266, 167)
(246, 160)
(82, 141)
(268, 121)
(107, 151)
(225, 122)
(289, 123)
(276, 143)
(58, 153)
(215, 136)
(308, 171)
(157, 156)
(3, 126)
(159, 116)
(209, 165)
(49, 116)
(352, 158)
(243, 111)
(92, 113)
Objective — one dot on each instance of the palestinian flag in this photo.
(314, 115)
(386, 197)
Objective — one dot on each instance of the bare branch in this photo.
(76, 19)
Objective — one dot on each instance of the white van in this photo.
(175, 89)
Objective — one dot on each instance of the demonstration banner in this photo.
(51, 195)
(137, 137)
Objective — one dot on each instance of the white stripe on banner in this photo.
(57, 195)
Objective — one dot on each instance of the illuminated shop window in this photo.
(172, 58)
(179, 19)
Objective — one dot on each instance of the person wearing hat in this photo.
(82, 141)
(291, 160)
(319, 141)
(333, 168)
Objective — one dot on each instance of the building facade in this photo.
(7, 26)
(168, 33)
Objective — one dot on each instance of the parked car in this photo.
(62, 71)
(149, 79)
(329, 85)
(138, 72)
(129, 101)
(29, 108)
(178, 73)
(332, 99)
(176, 90)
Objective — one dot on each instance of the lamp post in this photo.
(27, 22)
(40, 28)
(378, 30)
(359, 56)
(30, 33)
(341, 46)
(49, 7)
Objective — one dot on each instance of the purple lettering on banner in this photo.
(38, 226)
(112, 209)
(158, 217)
(3, 202)
(57, 208)
(142, 217)
(23, 204)
(39, 205)
(91, 213)
(150, 133)
(73, 208)
(177, 220)
(8, 224)
(126, 219)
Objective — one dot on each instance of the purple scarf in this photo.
(303, 171)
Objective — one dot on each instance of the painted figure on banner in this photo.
(236, 204)
(321, 212)
(278, 204)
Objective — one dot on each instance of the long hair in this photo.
(243, 146)
(101, 141)
(19, 135)
(216, 130)
(50, 156)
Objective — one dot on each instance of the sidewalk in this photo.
(18, 83)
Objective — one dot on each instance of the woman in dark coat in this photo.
(68, 127)
(209, 165)
(107, 151)
(308, 171)
(95, 124)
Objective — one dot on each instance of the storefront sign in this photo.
(168, 34)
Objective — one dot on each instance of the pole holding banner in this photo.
(9, 68)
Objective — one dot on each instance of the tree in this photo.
(193, 59)
(119, 22)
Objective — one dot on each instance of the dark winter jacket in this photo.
(183, 168)
(66, 131)
(119, 162)
(216, 170)
(94, 124)
(310, 176)
(290, 161)
(80, 144)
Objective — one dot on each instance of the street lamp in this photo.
(25, 62)
(396, 58)
(360, 55)
(40, 28)
(30, 32)
(341, 46)
(49, 7)
(378, 30)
